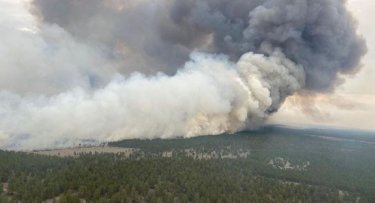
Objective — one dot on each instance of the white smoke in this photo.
(210, 95)
(58, 91)
(44, 59)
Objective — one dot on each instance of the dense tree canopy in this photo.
(337, 171)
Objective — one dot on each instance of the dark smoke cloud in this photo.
(107, 70)
(318, 34)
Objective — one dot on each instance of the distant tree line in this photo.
(339, 172)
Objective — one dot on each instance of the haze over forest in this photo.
(184, 101)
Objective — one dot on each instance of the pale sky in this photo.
(353, 104)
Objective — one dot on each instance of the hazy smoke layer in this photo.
(67, 67)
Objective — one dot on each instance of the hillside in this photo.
(270, 165)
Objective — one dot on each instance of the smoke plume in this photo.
(106, 70)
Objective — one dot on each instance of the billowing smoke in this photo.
(106, 70)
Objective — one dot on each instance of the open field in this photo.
(71, 152)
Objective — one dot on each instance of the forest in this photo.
(261, 166)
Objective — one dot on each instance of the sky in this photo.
(72, 71)
(353, 103)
